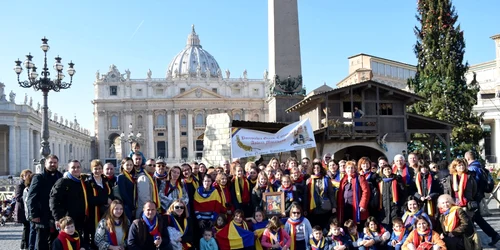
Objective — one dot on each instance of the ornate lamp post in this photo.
(45, 84)
(131, 138)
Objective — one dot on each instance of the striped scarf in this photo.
(84, 189)
(293, 230)
(66, 240)
(418, 182)
(459, 189)
(394, 190)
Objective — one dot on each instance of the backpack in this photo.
(487, 179)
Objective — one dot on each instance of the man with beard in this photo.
(38, 203)
(68, 197)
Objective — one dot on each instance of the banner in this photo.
(247, 142)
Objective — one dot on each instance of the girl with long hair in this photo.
(240, 190)
(263, 186)
(128, 188)
(112, 230)
(223, 187)
(423, 235)
(175, 188)
(180, 229)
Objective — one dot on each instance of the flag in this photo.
(234, 237)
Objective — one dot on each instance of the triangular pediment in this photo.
(198, 93)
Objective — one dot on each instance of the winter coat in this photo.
(19, 208)
(390, 210)
(39, 194)
(67, 198)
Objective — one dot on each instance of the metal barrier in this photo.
(493, 195)
(6, 195)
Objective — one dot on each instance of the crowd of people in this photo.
(328, 204)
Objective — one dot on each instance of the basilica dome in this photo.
(193, 61)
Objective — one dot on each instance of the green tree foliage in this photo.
(440, 76)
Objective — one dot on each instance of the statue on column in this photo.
(228, 73)
(37, 106)
(266, 74)
(12, 97)
(97, 75)
(208, 73)
(169, 74)
(31, 102)
(198, 71)
(219, 73)
(49, 112)
(127, 72)
(25, 98)
(245, 74)
(61, 120)
(55, 117)
(2, 95)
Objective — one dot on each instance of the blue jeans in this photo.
(32, 236)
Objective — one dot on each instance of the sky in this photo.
(142, 35)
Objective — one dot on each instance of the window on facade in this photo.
(159, 91)
(199, 119)
(385, 109)
(182, 90)
(114, 122)
(488, 96)
(199, 145)
(184, 133)
(183, 120)
(139, 92)
(139, 121)
(161, 134)
(237, 117)
(184, 153)
(236, 91)
(160, 120)
(256, 92)
(113, 90)
(214, 90)
(255, 117)
(161, 149)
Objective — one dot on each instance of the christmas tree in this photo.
(440, 76)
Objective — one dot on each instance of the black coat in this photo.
(97, 196)
(67, 199)
(390, 210)
(18, 196)
(140, 239)
(39, 194)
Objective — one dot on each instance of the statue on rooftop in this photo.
(228, 73)
(12, 97)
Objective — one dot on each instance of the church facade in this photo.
(167, 115)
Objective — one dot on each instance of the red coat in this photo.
(363, 200)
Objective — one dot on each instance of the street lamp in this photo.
(131, 138)
(45, 84)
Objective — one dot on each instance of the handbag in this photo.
(116, 193)
(326, 205)
(472, 206)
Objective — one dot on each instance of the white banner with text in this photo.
(247, 142)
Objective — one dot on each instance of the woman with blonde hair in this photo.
(20, 208)
(112, 230)
(263, 186)
(455, 225)
(463, 187)
(179, 225)
(222, 184)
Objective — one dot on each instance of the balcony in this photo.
(115, 129)
(160, 127)
(341, 127)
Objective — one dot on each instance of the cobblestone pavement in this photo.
(10, 234)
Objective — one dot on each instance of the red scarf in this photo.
(416, 237)
(66, 240)
(241, 187)
(299, 180)
(405, 174)
(394, 189)
(293, 231)
(337, 240)
(451, 219)
(225, 194)
(418, 182)
(169, 188)
(459, 188)
(400, 234)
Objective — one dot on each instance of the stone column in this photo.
(190, 135)
(177, 128)
(25, 158)
(12, 150)
(151, 146)
(170, 138)
(496, 140)
(102, 127)
(124, 127)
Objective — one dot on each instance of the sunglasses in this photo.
(178, 207)
(150, 165)
(295, 212)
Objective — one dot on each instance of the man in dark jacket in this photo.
(68, 197)
(149, 231)
(38, 203)
(475, 168)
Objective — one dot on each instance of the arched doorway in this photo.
(356, 152)
(114, 147)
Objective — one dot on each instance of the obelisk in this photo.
(285, 70)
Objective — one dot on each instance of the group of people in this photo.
(328, 204)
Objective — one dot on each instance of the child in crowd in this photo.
(259, 223)
(67, 235)
(375, 235)
(290, 192)
(136, 148)
(318, 241)
(398, 235)
(355, 238)
(220, 222)
(335, 237)
(207, 242)
(275, 237)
